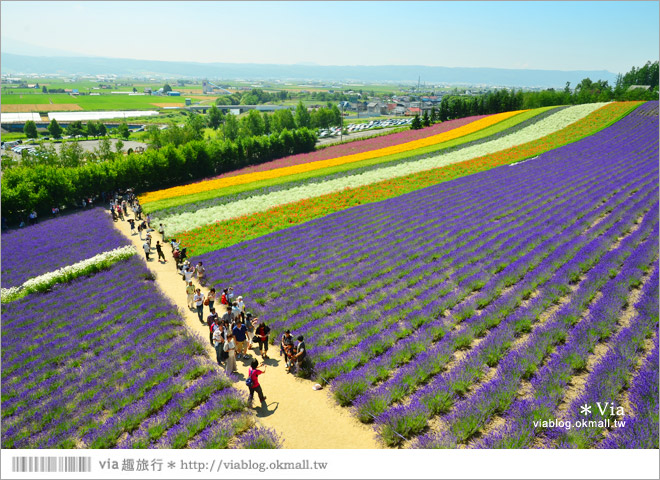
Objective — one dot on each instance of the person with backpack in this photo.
(253, 382)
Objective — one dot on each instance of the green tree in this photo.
(71, 154)
(426, 121)
(252, 124)
(30, 129)
(231, 127)
(434, 115)
(214, 117)
(282, 120)
(123, 131)
(101, 129)
(167, 88)
(75, 128)
(92, 129)
(416, 123)
(54, 129)
(104, 151)
(119, 146)
(303, 118)
(44, 89)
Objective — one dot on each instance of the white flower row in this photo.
(68, 273)
(189, 220)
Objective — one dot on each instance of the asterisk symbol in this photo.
(585, 409)
(171, 465)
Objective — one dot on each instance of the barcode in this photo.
(51, 464)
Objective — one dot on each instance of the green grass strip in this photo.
(211, 194)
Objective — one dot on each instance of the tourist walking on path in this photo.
(230, 348)
(240, 332)
(161, 230)
(212, 321)
(190, 291)
(199, 304)
(132, 224)
(287, 344)
(261, 336)
(218, 342)
(201, 273)
(159, 249)
(211, 297)
(297, 358)
(147, 250)
(253, 375)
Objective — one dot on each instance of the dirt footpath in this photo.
(304, 418)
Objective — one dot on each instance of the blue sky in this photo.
(610, 36)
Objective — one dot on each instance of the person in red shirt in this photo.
(254, 373)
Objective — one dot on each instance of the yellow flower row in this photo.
(306, 167)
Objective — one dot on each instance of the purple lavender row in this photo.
(63, 398)
(325, 332)
(519, 266)
(172, 413)
(497, 395)
(373, 402)
(549, 382)
(440, 394)
(640, 431)
(611, 375)
(55, 243)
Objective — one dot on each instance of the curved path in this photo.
(304, 418)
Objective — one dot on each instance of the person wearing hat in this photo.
(198, 298)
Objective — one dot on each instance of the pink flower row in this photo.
(354, 147)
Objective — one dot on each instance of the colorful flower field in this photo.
(469, 312)
(481, 283)
(257, 216)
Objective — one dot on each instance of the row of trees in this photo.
(41, 185)
(587, 91)
(256, 96)
(254, 123)
(91, 129)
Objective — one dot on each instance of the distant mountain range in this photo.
(12, 63)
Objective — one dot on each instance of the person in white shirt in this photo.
(198, 298)
(147, 250)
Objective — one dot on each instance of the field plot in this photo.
(33, 107)
(458, 314)
(113, 367)
(45, 102)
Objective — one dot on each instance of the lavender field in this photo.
(55, 243)
(105, 361)
(466, 313)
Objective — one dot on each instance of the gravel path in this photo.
(305, 418)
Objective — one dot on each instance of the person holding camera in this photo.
(253, 375)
